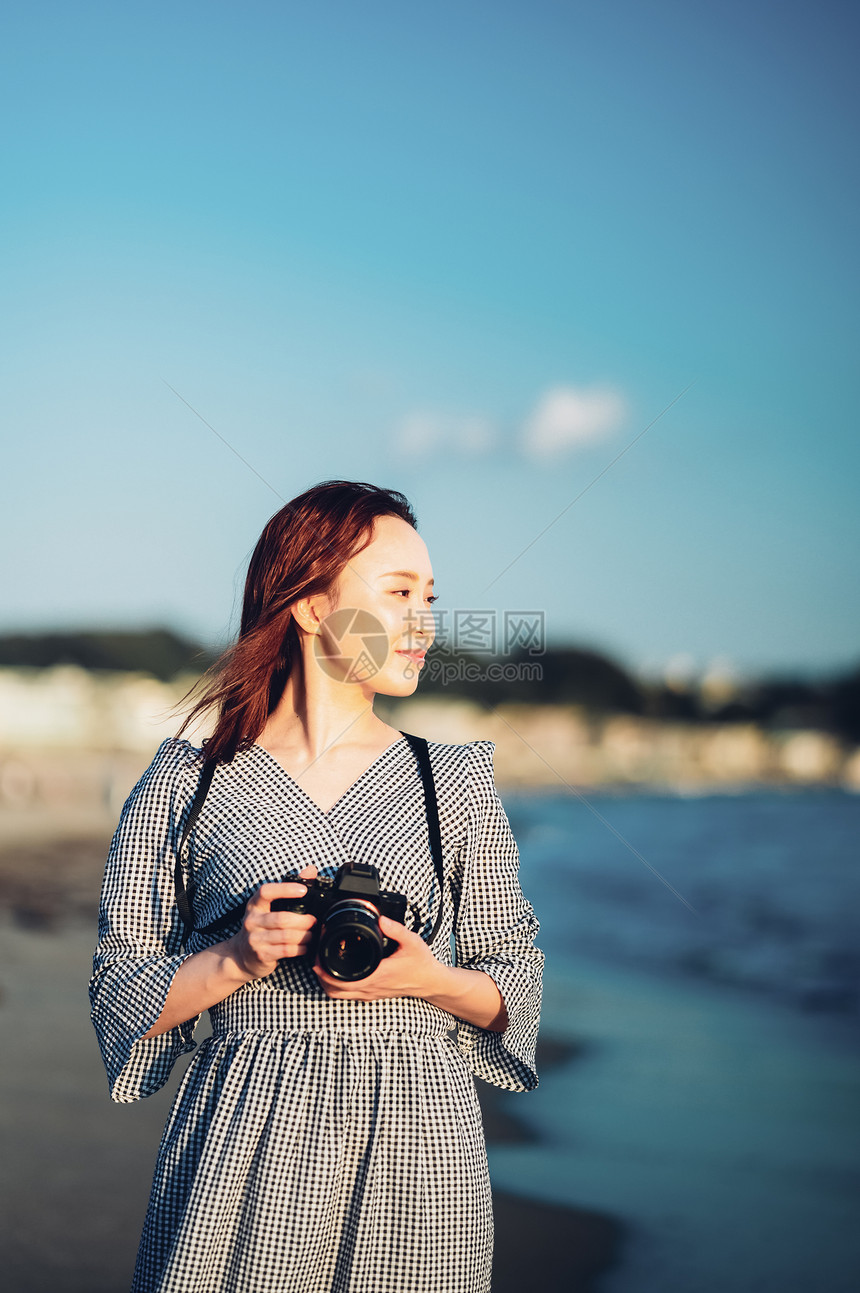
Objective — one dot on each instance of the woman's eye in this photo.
(407, 592)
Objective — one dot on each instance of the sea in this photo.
(703, 964)
(760, 891)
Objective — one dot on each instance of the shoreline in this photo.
(558, 1246)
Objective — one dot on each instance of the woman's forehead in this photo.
(394, 546)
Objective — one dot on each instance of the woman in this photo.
(327, 1137)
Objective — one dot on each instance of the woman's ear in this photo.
(309, 613)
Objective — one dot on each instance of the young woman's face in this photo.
(379, 622)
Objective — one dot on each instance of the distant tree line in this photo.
(561, 676)
(575, 676)
(159, 652)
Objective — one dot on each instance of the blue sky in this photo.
(467, 250)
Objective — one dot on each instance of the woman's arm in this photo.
(495, 932)
(471, 995)
(266, 936)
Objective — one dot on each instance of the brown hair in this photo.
(301, 553)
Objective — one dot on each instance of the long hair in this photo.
(301, 553)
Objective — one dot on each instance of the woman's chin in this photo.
(402, 686)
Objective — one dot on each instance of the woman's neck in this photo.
(316, 713)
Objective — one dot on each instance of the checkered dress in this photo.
(316, 1146)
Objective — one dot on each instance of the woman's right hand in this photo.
(267, 936)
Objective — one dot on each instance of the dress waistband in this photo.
(278, 1009)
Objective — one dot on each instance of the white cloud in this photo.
(563, 419)
(566, 417)
(423, 433)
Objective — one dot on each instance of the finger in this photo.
(263, 920)
(394, 930)
(273, 944)
(255, 901)
(285, 920)
(280, 889)
(293, 946)
(308, 872)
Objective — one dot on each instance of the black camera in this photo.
(347, 936)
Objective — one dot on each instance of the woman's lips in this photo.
(417, 656)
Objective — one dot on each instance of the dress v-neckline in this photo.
(326, 812)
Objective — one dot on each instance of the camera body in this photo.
(347, 937)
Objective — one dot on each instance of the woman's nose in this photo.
(421, 623)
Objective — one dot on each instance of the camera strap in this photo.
(183, 900)
(184, 894)
(434, 832)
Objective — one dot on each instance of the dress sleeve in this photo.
(495, 933)
(140, 932)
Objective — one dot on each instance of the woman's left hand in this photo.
(410, 971)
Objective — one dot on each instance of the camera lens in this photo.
(351, 943)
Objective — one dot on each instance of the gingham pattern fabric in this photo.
(316, 1146)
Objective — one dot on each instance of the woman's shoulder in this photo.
(176, 752)
(473, 759)
(176, 762)
(165, 788)
(463, 749)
